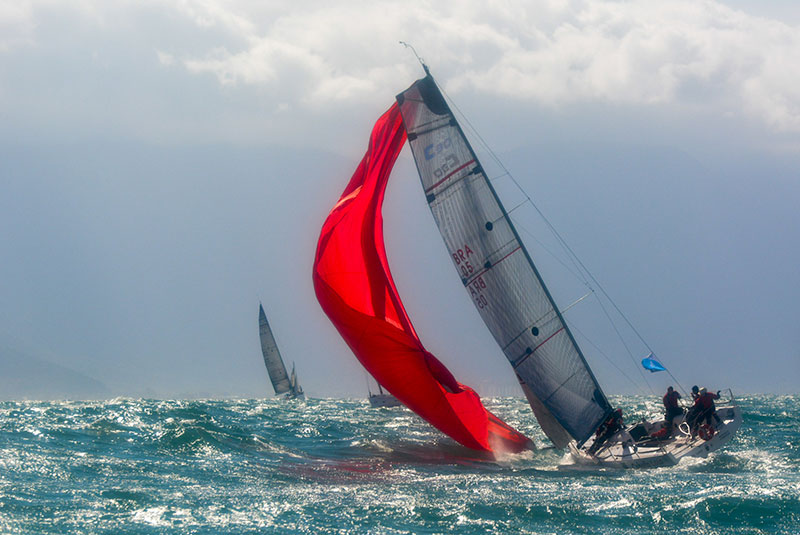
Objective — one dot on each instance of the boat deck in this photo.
(623, 451)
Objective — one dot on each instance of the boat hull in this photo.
(623, 451)
(384, 400)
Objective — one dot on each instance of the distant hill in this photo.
(25, 377)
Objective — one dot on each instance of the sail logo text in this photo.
(462, 255)
(450, 163)
(436, 148)
(461, 258)
(476, 288)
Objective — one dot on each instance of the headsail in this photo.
(355, 289)
(272, 357)
(498, 272)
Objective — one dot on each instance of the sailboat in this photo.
(382, 398)
(502, 280)
(282, 382)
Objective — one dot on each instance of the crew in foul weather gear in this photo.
(606, 430)
(703, 409)
(672, 408)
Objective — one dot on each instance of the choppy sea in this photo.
(338, 466)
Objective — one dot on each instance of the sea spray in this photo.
(339, 466)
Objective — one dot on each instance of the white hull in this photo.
(384, 400)
(622, 451)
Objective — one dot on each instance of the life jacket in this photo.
(671, 399)
(612, 423)
(706, 401)
(706, 432)
(661, 433)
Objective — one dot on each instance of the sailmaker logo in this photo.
(436, 148)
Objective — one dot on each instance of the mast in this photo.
(498, 272)
(539, 278)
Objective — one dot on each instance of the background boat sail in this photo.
(281, 381)
(382, 398)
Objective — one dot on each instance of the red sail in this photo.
(355, 288)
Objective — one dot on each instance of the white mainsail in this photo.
(281, 381)
(498, 272)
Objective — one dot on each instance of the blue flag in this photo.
(650, 362)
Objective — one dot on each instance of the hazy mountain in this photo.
(26, 377)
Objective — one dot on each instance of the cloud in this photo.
(326, 54)
(209, 14)
(696, 53)
(262, 69)
(16, 25)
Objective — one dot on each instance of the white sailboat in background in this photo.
(382, 399)
(282, 382)
(511, 297)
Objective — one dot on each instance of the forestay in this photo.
(498, 273)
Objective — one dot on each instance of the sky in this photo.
(167, 165)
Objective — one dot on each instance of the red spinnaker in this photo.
(355, 288)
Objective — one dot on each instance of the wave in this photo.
(338, 466)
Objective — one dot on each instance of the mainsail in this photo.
(498, 272)
(355, 289)
(272, 357)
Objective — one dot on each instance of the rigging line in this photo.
(583, 268)
(498, 177)
(589, 341)
(551, 253)
(570, 254)
(633, 359)
(678, 383)
(600, 287)
(573, 257)
(561, 240)
(576, 302)
(523, 203)
(599, 301)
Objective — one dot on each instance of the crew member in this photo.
(707, 407)
(606, 430)
(672, 409)
(691, 414)
(703, 409)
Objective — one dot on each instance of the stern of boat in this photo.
(730, 415)
(627, 450)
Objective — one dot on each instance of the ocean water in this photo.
(337, 466)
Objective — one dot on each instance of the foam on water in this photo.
(338, 466)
